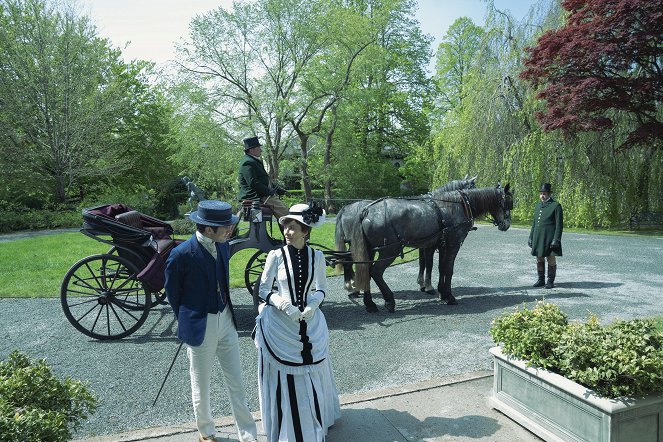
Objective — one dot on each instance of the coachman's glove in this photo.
(280, 190)
(555, 245)
(313, 301)
(529, 243)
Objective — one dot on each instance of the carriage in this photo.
(109, 295)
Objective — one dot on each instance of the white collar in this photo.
(206, 242)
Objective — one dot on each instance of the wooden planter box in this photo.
(557, 409)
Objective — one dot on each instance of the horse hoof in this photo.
(354, 295)
(451, 301)
(372, 308)
(391, 307)
(431, 292)
(422, 289)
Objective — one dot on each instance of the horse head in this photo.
(502, 212)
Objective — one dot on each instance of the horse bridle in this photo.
(507, 206)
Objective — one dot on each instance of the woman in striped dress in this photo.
(298, 395)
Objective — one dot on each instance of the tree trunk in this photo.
(642, 186)
(327, 162)
(303, 166)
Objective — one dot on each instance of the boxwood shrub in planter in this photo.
(35, 405)
(579, 381)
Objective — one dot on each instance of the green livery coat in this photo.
(547, 226)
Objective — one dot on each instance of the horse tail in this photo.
(340, 238)
(360, 257)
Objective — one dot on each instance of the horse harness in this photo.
(440, 234)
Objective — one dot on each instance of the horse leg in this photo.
(368, 300)
(348, 275)
(422, 268)
(426, 265)
(430, 253)
(446, 268)
(377, 273)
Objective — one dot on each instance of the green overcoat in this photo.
(253, 179)
(547, 226)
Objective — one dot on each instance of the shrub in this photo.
(531, 335)
(183, 226)
(16, 217)
(35, 405)
(622, 359)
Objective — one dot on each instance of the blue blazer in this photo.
(191, 280)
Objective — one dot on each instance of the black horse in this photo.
(389, 224)
(348, 219)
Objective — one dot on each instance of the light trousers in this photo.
(220, 341)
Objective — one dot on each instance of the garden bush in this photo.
(531, 334)
(35, 405)
(624, 358)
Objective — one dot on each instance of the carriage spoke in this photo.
(88, 312)
(94, 276)
(94, 324)
(84, 282)
(118, 317)
(121, 305)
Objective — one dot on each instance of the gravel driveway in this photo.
(610, 276)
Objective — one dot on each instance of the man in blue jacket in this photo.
(197, 286)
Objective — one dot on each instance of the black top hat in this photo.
(250, 143)
(214, 213)
(546, 187)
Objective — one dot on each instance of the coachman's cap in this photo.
(546, 187)
(250, 143)
(214, 213)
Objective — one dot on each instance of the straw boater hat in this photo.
(214, 213)
(311, 216)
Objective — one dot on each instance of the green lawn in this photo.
(35, 267)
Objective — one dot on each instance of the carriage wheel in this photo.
(253, 270)
(102, 298)
(159, 297)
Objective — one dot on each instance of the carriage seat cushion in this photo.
(130, 218)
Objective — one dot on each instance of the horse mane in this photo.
(482, 200)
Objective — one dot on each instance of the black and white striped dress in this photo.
(298, 395)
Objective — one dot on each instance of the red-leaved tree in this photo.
(606, 61)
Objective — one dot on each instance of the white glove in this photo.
(293, 312)
(313, 301)
(283, 303)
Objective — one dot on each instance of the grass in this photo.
(35, 267)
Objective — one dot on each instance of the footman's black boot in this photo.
(552, 270)
(541, 270)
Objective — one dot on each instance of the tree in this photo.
(459, 49)
(71, 112)
(603, 65)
